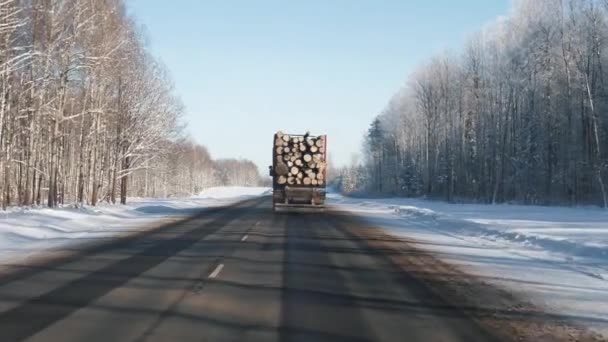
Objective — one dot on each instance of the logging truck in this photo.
(298, 172)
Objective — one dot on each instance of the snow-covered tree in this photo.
(519, 115)
(86, 113)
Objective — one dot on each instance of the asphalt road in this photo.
(240, 273)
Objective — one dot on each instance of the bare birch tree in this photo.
(520, 115)
(86, 112)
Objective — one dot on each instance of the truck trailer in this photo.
(298, 172)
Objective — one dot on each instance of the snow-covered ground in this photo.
(556, 257)
(25, 232)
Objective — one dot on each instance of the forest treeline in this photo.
(521, 114)
(87, 114)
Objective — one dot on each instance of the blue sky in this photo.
(245, 69)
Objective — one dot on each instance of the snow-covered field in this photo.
(25, 232)
(556, 257)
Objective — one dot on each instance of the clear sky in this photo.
(245, 69)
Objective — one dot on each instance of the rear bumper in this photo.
(298, 208)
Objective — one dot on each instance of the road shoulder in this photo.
(17, 268)
(496, 309)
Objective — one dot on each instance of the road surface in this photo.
(240, 273)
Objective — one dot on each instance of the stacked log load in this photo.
(299, 160)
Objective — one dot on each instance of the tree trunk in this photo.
(123, 182)
(596, 140)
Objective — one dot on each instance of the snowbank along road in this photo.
(243, 273)
(553, 257)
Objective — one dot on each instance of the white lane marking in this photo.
(244, 237)
(216, 271)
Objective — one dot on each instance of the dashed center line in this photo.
(216, 271)
(244, 237)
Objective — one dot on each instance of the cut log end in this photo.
(281, 169)
(299, 160)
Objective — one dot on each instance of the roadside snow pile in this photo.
(556, 257)
(408, 210)
(579, 232)
(25, 232)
